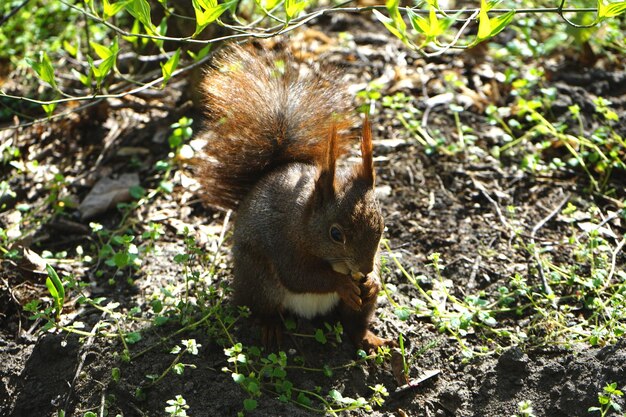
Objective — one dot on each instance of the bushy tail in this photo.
(265, 110)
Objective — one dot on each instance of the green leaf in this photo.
(56, 289)
(169, 67)
(303, 399)
(132, 338)
(109, 10)
(108, 56)
(137, 192)
(403, 313)
(84, 79)
(267, 4)
(49, 108)
(249, 404)
(487, 27)
(161, 31)
(140, 10)
(500, 22)
(43, 68)
(208, 12)
(394, 14)
(388, 23)
(207, 4)
(121, 259)
(167, 186)
(201, 53)
(52, 289)
(419, 23)
(484, 25)
(70, 49)
(320, 336)
(115, 374)
(102, 51)
(294, 7)
(52, 274)
(394, 23)
(610, 10)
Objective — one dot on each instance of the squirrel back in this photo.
(267, 110)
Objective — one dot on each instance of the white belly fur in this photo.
(309, 305)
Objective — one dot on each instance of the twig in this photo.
(261, 34)
(102, 402)
(542, 222)
(83, 358)
(220, 240)
(456, 37)
(475, 266)
(495, 205)
(617, 250)
(569, 22)
(12, 12)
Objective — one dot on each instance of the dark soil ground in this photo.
(438, 202)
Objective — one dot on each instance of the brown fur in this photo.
(265, 111)
(277, 134)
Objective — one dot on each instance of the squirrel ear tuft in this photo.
(366, 170)
(325, 184)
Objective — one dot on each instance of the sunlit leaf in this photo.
(484, 24)
(419, 23)
(294, 7)
(267, 4)
(388, 23)
(169, 67)
(610, 10)
(201, 53)
(109, 10)
(207, 13)
(70, 49)
(500, 22)
(102, 51)
(56, 289)
(43, 68)
(49, 108)
(140, 10)
(396, 16)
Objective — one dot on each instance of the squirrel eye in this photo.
(336, 234)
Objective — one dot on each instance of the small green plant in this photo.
(369, 96)
(608, 400)
(598, 153)
(256, 373)
(590, 285)
(57, 291)
(187, 346)
(406, 112)
(177, 407)
(182, 132)
(524, 409)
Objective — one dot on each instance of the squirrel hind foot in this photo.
(370, 342)
(271, 335)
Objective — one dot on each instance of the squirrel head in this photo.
(345, 222)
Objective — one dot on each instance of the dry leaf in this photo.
(106, 194)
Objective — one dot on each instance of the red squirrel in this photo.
(306, 231)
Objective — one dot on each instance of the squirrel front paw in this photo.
(350, 293)
(370, 287)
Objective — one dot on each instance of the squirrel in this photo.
(306, 231)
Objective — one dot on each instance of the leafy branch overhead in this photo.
(128, 27)
(426, 31)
